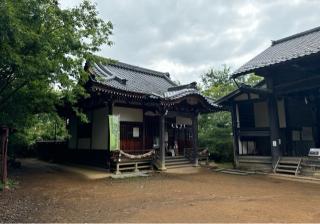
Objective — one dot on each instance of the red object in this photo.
(4, 141)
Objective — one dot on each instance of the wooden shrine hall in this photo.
(276, 124)
(156, 115)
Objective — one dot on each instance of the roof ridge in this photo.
(135, 68)
(165, 75)
(306, 32)
(192, 85)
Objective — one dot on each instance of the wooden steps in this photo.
(133, 166)
(288, 165)
(172, 162)
(177, 162)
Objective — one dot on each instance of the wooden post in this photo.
(195, 139)
(4, 141)
(235, 135)
(109, 107)
(136, 170)
(144, 132)
(162, 143)
(274, 125)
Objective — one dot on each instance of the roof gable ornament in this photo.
(192, 85)
(121, 80)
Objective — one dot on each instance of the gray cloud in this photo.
(187, 37)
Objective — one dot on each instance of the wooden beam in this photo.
(298, 85)
(183, 114)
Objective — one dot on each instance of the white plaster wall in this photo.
(100, 129)
(237, 115)
(242, 96)
(281, 114)
(183, 120)
(254, 96)
(261, 116)
(128, 114)
(72, 143)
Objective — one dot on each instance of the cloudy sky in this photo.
(187, 37)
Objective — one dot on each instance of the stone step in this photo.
(289, 162)
(287, 166)
(179, 166)
(285, 171)
(178, 163)
(174, 157)
(177, 160)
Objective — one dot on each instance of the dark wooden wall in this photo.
(151, 130)
(299, 115)
(128, 143)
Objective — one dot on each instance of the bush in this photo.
(215, 133)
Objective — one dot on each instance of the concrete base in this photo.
(296, 178)
(184, 170)
(128, 175)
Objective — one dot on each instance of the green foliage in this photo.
(216, 83)
(10, 184)
(45, 126)
(43, 51)
(215, 133)
(215, 129)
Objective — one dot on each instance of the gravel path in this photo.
(47, 194)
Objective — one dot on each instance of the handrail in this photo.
(298, 167)
(275, 167)
(203, 151)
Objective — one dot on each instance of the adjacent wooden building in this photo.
(277, 122)
(155, 114)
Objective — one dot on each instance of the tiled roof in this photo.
(289, 48)
(176, 94)
(260, 86)
(133, 79)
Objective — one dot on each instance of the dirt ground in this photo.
(47, 194)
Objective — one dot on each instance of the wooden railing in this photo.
(188, 153)
(121, 163)
(203, 154)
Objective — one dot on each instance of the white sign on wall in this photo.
(136, 133)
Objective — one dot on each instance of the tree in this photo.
(217, 83)
(43, 50)
(216, 128)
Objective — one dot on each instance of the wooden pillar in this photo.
(235, 135)
(110, 108)
(195, 139)
(162, 155)
(274, 125)
(144, 132)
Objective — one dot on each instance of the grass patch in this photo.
(10, 184)
(228, 165)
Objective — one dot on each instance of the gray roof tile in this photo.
(295, 46)
(135, 79)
